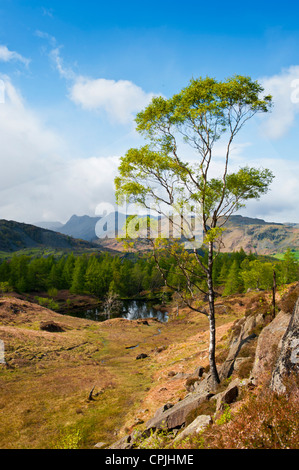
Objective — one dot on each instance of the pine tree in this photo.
(233, 282)
(290, 269)
(67, 273)
(78, 282)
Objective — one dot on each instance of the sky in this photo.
(74, 74)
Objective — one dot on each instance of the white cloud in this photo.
(39, 180)
(119, 99)
(48, 37)
(281, 202)
(284, 88)
(6, 56)
(47, 12)
(64, 72)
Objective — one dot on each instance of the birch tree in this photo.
(174, 169)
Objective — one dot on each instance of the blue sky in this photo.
(75, 74)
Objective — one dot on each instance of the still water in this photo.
(131, 310)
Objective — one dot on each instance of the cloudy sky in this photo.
(73, 75)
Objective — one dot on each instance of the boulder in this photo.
(199, 371)
(198, 425)
(245, 328)
(162, 409)
(288, 360)
(227, 397)
(142, 356)
(123, 443)
(267, 345)
(192, 383)
(180, 375)
(100, 445)
(130, 441)
(175, 417)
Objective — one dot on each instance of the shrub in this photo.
(245, 368)
(288, 300)
(5, 287)
(48, 303)
(52, 292)
(266, 421)
(206, 408)
(225, 417)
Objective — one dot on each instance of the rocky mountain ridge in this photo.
(252, 234)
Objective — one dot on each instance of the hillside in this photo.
(251, 234)
(84, 386)
(258, 236)
(55, 226)
(16, 236)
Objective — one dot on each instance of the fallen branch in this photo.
(90, 397)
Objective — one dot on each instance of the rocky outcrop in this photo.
(288, 360)
(175, 417)
(268, 346)
(231, 393)
(245, 333)
(198, 425)
(280, 338)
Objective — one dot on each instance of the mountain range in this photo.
(85, 232)
(251, 234)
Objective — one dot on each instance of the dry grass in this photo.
(45, 385)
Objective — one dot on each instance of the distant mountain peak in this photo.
(80, 226)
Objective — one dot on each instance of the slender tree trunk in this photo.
(212, 345)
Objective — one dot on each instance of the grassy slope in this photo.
(281, 255)
(48, 377)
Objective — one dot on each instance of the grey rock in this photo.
(269, 341)
(288, 360)
(227, 397)
(100, 445)
(175, 417)
(198, 425)
(130, 441)
(246, 325)
(180, 375)
(123, 443)
(199, 371)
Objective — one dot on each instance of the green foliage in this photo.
(290, 271)
(233, 283)
(202, 113)
(70, 438)
(46, 302)
(257, 275)
(5, 287)
(225, 417)
(95, 274)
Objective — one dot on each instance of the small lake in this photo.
(131, 310)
